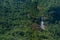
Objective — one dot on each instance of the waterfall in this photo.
(42, 26)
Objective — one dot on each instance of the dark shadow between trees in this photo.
(54, 13)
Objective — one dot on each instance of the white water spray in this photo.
(42, 26)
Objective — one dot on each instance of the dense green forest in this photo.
(19, 19)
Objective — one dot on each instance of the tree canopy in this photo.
(19, 19)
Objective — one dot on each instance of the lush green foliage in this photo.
(18, 16)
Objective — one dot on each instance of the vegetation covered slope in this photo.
(19, 19)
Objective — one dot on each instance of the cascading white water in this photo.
(42, 26)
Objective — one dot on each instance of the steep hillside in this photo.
(20, 19)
